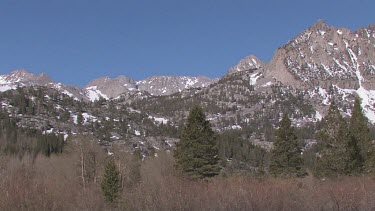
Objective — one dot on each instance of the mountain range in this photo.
(321, 63)
(106, 87)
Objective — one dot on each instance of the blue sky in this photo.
(76, 41)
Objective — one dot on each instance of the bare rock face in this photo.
(248, 63)
(324, 55)
(157, 85)
(109, 87)
(166, 85)
(324, 61)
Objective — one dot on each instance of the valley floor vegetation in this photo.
(206, 171)
(55, 183)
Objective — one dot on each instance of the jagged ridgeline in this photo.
(320, 63)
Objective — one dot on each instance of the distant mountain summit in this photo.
(23, 77)
(248, 63)
(107, 87)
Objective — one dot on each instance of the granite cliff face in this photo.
(325, 62)
(324, 55)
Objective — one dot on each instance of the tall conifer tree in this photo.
(286, 160)
(111, 182)
(196, 153)
(363, 153)
(334, 158)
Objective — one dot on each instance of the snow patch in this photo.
(368, 101)
(323, 93)
(254, 77)
(94, 94)
(159, 120)
(318, 116)
(4, 88)
(137, 132)
(267, 84)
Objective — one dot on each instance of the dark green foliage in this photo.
(361, 148)
(286, 160)
(241, 152)
(49, 144)
(334, 156)
(79, 118)
(196, 153)
(19, 141)
(111, 182)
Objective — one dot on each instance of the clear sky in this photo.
(76, 41)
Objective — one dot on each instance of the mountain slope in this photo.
(157, 85)
(166, 85)
(325, 57)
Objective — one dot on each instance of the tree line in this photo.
(344, 147)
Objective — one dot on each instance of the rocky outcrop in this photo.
(166, 85)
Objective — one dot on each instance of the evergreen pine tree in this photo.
(334, 157)
(196, 153)
(362, 148)
(79, 118)
(111, 182)
(286, 160)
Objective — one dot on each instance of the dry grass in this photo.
(54, 184)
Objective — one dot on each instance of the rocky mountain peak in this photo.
(324, 55)
(107, 87)
(319, 25)
(23, 77)
(249, 62)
